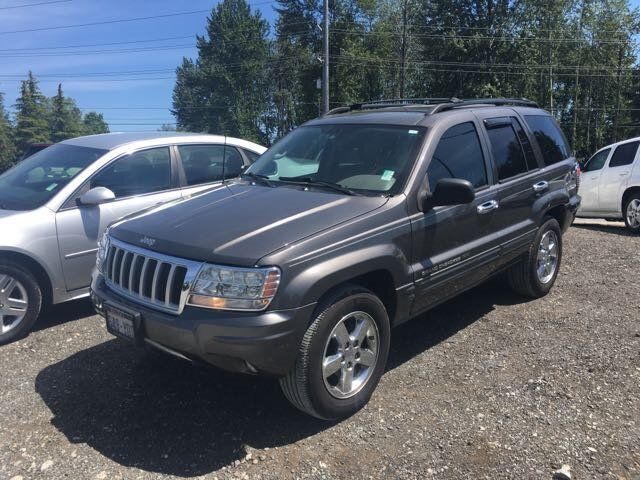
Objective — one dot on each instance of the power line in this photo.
(105, 22)
(96, 44)
(96, 52)
(34, 4)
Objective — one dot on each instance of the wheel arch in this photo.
(379, 269)
(35, 268)
(627, 193)
(559, 212)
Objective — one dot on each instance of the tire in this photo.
(306, 387)
(631, 213)
(525, 278)
(21, 300)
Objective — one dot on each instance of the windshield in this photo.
(35, 180)
(365, 158)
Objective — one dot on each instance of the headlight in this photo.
(232, 288)
(103, 250)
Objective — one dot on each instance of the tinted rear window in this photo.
(552, 141)
(624, 154)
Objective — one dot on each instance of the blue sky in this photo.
(129, 101)
(132, 101)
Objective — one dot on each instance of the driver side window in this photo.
(458, 155)
(597, 161)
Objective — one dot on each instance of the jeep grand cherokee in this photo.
(350, 225)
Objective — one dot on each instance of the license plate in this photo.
(120, 323)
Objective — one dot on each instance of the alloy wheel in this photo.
(350, 355)
(547, 259)
(13, 303)
(633, 213)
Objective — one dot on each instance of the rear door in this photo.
(615, 176)
(590, 182)
(204, 166)
(138, 180)
(516, 170)
(453, 245)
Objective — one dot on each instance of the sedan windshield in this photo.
(35, 180)
(345, 158)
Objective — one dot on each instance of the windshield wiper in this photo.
(318, 183)
(259, 178)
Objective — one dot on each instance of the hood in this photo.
(238, 224)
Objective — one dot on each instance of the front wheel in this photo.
(632, 213)
(20, 301)
(342, 356)
(537, 272)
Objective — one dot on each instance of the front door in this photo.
(615, 175)
(139, 180)
(453, 245)
(590, 182)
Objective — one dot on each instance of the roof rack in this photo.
(496, 102)
(437, 104)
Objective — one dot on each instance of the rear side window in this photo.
(458, 155)
(252, 156)
(506, 147)
(551, 140)
(597, 161)
(624, 154)
(204, 163)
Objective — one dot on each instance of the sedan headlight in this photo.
(232, 288)
(103, 250)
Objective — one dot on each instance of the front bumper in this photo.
(249, 342)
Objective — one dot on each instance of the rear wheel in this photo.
(537, 272)
(632, 213)
(20, 301)
(342, 356)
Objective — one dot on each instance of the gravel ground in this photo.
(485, 386)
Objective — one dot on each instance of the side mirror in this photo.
(96, 196)
(451, 191)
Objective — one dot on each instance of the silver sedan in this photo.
(55, 205)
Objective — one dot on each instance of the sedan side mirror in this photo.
(96, 196)
(451, 191)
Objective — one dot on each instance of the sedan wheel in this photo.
(14, 302)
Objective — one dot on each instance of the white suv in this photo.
(610, 184)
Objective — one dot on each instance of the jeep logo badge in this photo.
(148, 241)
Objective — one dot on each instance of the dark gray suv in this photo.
(350, 225)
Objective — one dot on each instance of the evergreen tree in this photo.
(65, 120)
(94, 124)
(32, 124)
(7, 146)
(226, 90)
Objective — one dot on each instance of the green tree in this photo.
(66, 119)
(7, 146)
(32, 115)
(94, 124)
(226, 90)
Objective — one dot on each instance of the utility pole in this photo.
(403, 48)
(325, 63)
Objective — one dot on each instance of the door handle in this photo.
(488, 207)
(540, 186)
(624, 174)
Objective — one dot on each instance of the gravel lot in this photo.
(486, 386)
